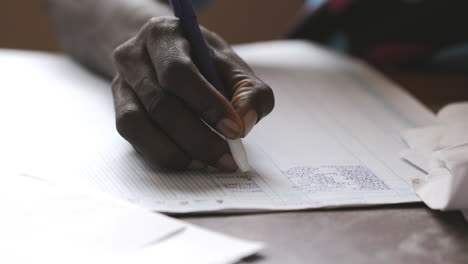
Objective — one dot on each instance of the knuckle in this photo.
(222, 57)
(161, 25)
(224, 54)
(126, 52)
(209, 35)
(154, 21)
(126, 121)
(121, 53)
(176, 66)
(172, 69)
(214, 39)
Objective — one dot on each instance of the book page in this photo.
(332, 139)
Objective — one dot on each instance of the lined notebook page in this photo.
(332, 139)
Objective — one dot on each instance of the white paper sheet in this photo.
(44, 223)
(332, 139)
(441, 151)
(41, 222)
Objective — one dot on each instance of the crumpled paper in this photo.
(441, 150)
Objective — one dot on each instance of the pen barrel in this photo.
(200, 53)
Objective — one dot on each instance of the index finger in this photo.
(177, 74)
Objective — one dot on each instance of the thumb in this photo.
(252, 99)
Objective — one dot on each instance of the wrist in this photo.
(90, 30)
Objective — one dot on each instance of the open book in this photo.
(332, 139)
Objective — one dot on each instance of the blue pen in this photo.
(183, 9)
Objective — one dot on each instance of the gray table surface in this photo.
(390, 234)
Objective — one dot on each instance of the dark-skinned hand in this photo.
(164, 105)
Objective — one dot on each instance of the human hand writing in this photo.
(164, 105)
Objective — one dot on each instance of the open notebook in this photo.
(332, 139)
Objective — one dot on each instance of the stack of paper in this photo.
(42, 223)
(441, 150)
(332, 139)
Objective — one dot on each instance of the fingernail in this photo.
(196, 165)
(226, 163)
(228, 128)
(250, 119)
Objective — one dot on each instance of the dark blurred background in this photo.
(24, 24)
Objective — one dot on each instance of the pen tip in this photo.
(244, 168)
